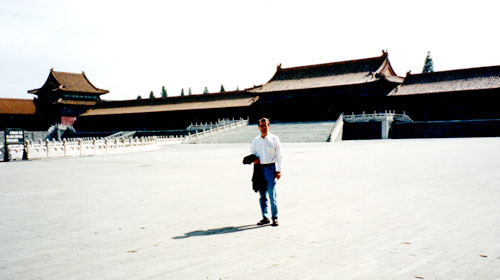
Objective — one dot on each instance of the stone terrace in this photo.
(381, 209)
(288, 132)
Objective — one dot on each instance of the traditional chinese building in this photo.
(306, 93)
(20, 113)
(462, 94)
(323, 91)
(176, 112)
(65, 96)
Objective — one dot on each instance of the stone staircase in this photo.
(287, 132)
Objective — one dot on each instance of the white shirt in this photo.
(268, 150)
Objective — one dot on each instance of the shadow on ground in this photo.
(223, 230)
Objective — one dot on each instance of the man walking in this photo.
(267, 148)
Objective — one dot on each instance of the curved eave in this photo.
(101, 91)
(41, 91)
(339, 75)
(280, 70)
(428, 93)
(187, 106)
(33, 91)
(75, 102)
(394, 79)
(61, 86)
(371, 80)
(386, 68)
(368, 78)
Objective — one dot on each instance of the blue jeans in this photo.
(270, 176)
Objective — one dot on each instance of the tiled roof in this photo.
(229, 103)
(482, 78)
(17, 106)
(330, 75)
(70, 82)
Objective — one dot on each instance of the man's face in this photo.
(263, 127)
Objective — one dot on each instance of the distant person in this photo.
(267, 148)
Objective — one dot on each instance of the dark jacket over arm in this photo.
(258, 180)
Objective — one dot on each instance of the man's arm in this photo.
(279, 158)
(252, 151)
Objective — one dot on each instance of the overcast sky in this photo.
(133, 47)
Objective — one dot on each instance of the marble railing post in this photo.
(28, 148)
(80, 143)
(47, 145)
(65, 147)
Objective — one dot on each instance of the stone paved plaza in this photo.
(380, 209)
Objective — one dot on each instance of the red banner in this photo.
(68, 120)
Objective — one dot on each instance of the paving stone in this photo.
(381, 209)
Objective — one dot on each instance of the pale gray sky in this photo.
(133, 47)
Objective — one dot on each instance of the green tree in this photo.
(182, 92)
(190, 92)
(222, 88)
(139, 97)
(164, 92)
(428, 64)
(151, 95)
(205, 91)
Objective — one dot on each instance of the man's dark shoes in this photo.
(264, 221)
(275, 223)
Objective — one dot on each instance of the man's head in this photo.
(264, 126)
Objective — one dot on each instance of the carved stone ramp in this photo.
(121, 134)
(287, 132)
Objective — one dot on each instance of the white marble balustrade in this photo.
(92, 147)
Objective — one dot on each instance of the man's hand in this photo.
(278, 175)
(257, 161)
